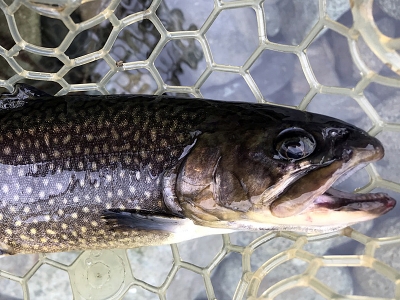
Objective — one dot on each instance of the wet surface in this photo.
(287, 22)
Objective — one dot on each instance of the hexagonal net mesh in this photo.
(323, 56)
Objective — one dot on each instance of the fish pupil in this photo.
(294, 144)
(294, 149)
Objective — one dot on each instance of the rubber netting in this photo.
(334, 57)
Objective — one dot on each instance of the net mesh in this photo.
(65, 46)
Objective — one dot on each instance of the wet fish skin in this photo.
(98, 172)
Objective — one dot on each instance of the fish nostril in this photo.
(346, 155)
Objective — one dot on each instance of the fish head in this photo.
(278, 175)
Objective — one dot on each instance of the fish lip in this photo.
(373, 203)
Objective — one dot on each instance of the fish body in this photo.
(121, 171)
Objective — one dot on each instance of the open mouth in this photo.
(373, 203)
(314, 191)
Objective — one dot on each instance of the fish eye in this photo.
(294, 144)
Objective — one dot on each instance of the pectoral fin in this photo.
(139, 220)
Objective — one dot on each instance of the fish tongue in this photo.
(335, 199)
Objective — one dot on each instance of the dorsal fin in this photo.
(28, 92)
(21, 94)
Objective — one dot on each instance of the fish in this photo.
(81, 172)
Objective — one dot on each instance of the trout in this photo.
(119, 171)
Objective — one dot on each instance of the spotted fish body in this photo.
(98, 172)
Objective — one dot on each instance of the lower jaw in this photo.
(374, 203)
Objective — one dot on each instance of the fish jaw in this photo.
(328, 206)
(306, 202)
(299, 196)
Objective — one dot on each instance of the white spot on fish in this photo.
(45, 181)
(120, 192)
(132, 189)
(147, 194)
(4, 188)
(75, 199)
(42, 194)
(28, 190)
(59, 186)
(7, 150)
(137, 175)
(9, 170)
(109, 194)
